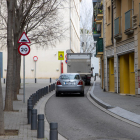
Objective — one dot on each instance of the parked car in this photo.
(70, 83)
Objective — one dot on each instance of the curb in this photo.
(98, 101)
(117, 112)
(40, 106)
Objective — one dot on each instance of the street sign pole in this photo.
(23, 79)
(35, 58)
(60, 66)
(35, 71)
(24, 49)
(61, 57)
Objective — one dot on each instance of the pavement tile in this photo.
(129, 103)
(18, 120)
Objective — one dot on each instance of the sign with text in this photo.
(24, 49)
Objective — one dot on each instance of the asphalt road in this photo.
(79, 119)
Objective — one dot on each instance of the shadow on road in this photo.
(70, 95)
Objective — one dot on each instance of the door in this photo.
(111, 75)
(127, 74)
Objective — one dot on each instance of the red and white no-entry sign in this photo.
(35, 58)
(24, 49)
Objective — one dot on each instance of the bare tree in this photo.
(87, 42)
(41, 20)
(86, 38)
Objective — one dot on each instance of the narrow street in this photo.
(79, 119)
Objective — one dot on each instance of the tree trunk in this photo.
(18, 71)
(9, 82)
(1, 111)
(15, 72)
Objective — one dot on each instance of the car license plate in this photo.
(69, 83)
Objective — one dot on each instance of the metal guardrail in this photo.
(94, 28)
(99, 45)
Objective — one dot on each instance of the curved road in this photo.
(79, 119)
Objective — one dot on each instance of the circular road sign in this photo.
(24, 49)
(35, 58)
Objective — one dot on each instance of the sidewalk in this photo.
(18, 120)
(127, 107)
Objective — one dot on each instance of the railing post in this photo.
(30, 107)
(40, 128)
(53, 131)
(30, 102)
(34, 119)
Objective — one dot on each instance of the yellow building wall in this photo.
(111, 75)
(108, 23)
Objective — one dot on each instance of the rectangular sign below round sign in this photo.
(60, 55)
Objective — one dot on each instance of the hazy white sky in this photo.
(86, 12)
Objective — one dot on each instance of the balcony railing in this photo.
(96, 28)
(96, 31)
(117, 29)
(98, 8)
(128, 22)
(99, 46)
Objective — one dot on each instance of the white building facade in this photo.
(48, 65)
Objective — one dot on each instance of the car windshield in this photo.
(70, 77)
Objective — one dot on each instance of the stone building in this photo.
(122, 46)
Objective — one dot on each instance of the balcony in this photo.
(117, 31)
(96, 31)
(98, 10)
(99, 47)
(128, 22)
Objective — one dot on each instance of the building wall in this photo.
(48, 64)
(75, 26)
(127, 45)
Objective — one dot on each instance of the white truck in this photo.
(80, 63)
